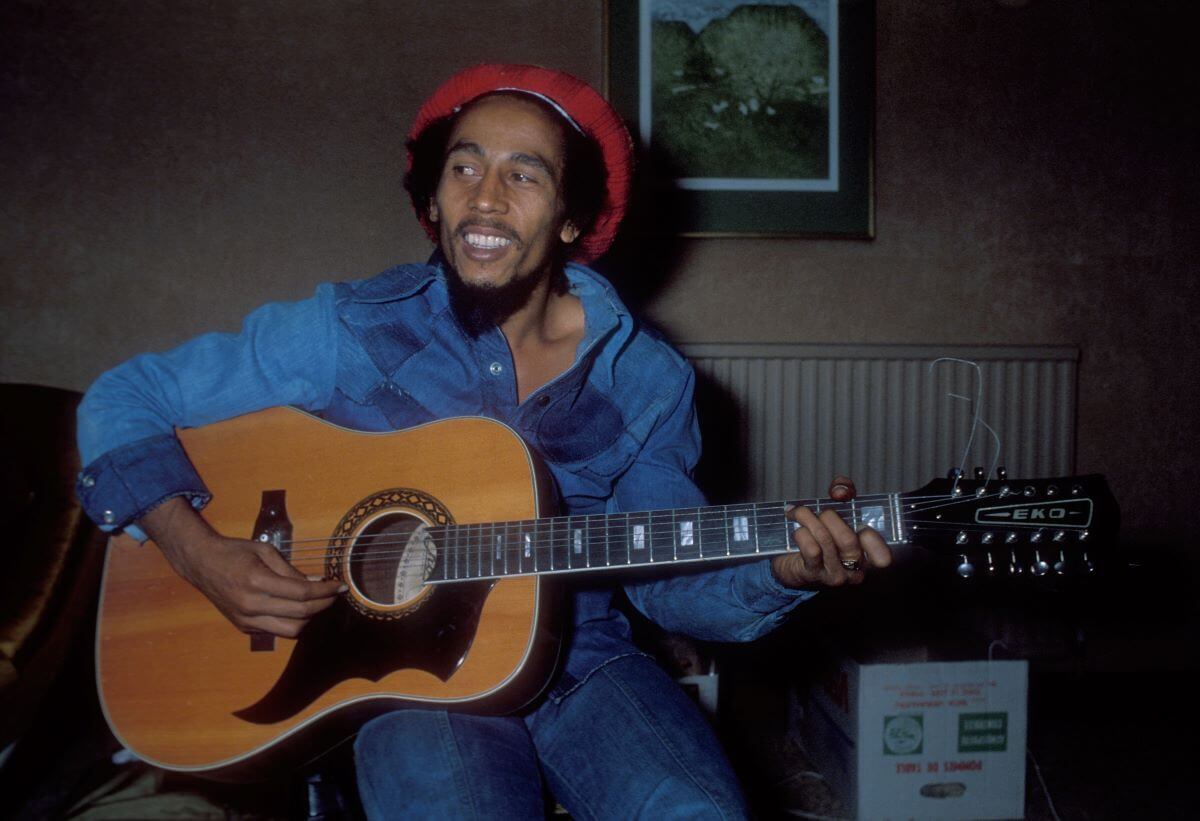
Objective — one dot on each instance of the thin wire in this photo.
(1045, 790)
(962, 465)
(995, 437)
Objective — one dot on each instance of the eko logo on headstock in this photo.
(1075, 513)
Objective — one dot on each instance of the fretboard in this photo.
(571, 544)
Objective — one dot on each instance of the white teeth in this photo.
(487, 241)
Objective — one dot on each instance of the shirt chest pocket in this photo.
(587, 434)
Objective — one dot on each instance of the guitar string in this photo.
(465, 557)
(481, 544)
(707, 526)
(540, 527)
(607, 528)
(910, 503)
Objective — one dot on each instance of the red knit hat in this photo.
(582, 106)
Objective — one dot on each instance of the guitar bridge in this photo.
(274, 528)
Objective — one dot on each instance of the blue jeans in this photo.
(625, 743)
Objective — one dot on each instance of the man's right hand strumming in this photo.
(249, 582)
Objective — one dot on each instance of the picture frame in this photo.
(755, 123)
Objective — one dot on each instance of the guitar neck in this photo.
(575, 544)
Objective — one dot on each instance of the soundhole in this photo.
(391, 558)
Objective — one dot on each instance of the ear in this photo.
(433, 211)
(569, 233)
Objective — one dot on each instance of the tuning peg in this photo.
(954, 473)
(965, 569)
(1014, 566)
(1001, 473)
(991, 564)
(1060, 566)
(1039, 567)
(961, 538)
(979, 473)
(1088, 565)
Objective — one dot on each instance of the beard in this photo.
(480, 308)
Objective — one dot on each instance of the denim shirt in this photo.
(617, 430)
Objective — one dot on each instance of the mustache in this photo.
(502, 228)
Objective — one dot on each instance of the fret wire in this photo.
(458, 552)
(472, 549)
(630, 527)
(443, 550)
(499, 563)
(483, 546)
(505, 549)
(674, 537)
(512, 538)
(757, 546)
(514, 544)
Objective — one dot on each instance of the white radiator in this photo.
(779, 420)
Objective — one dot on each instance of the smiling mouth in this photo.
(486, 241)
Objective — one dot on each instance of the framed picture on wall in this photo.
(754, 118)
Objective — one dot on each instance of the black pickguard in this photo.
(342, 644)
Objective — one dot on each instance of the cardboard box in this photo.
(927, 740)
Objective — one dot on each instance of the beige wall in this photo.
(167, 166)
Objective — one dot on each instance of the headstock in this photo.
(1013, 528)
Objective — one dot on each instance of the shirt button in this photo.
(496, 368)
(87, 480)
(543, 400)
(109, 518)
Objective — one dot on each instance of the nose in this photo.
(488, 196)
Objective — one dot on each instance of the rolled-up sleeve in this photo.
(732, 603)
(285, 354)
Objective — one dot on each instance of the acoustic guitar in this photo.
(441, 536)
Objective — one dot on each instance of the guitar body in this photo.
(185, 690)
